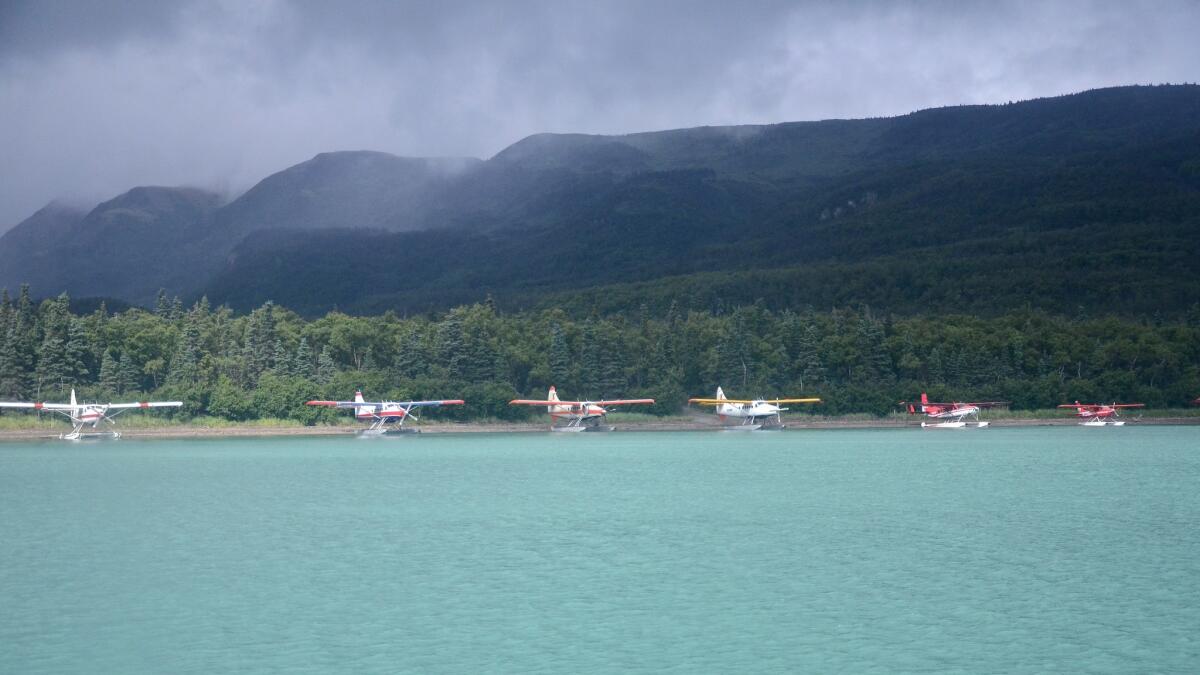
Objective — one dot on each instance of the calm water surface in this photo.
(998, 550)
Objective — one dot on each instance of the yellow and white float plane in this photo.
(752, 413)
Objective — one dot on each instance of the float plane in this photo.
(85, 414)
(579, 415)
(1099, 414)
(952, 414)
(385, 416)
(754, 414)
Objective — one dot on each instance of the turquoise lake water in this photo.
(1059, 549)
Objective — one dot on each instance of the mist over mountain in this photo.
(1088, 200)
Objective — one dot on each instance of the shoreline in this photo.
(250, 431)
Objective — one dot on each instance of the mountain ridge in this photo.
(619, 209)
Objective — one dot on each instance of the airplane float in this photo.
(85, 414)
(1099, 414)
(952, 414)
(579, 415)
(754, 414)
(385, 416)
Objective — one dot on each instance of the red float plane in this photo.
(952, 413)
(578, 415)
(1099, 414)
(381, 414)
(85, 414)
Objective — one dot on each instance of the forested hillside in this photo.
(1089, 200)
(268, 362)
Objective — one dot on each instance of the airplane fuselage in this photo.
(373, 412)
(576, 412)
(749, 410)
(951, 413)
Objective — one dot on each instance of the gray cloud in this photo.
(98, 97)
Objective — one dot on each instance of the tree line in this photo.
(268, 362)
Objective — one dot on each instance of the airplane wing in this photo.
(37, 406)
(522, 401)
(1128, 405)
(146, 404)
(367, 404)
(625, 401)
(776, 401)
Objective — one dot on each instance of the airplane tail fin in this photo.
(911, 409)
(720, 394)
(73, 403)
(553, 395)
(924, 398)
(362, 411)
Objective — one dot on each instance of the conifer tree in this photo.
(12, 374)
(128, 375)
(110, 374)
(162, 306)
(559, 356)
(302, 360)
(809, 367)
(326, 368)
(281, 361)
(185, 364)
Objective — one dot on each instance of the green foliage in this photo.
(856, 360)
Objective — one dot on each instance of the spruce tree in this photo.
(162, 307)
(302, 360)
(75, 354)
(185, 364)
(559, 356)
(12, 375)
(326, 368)
(110, 374)
(128, 376)
(808, 364)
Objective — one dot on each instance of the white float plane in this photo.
(84, 414)
(382, 414)
(578, 415)
(753, 413)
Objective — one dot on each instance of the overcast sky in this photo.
(98, 97)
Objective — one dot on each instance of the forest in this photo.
(266, 363)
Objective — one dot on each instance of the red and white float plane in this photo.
(578, 415)
(382, 414)
(953, 414)
(84, 414)
(752, 413)
(1099, 414)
